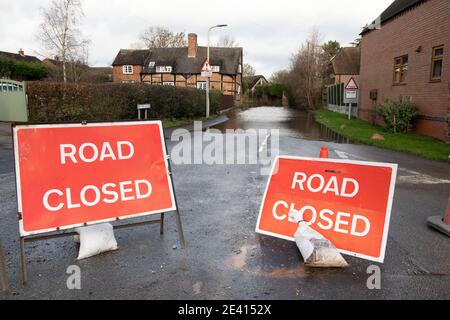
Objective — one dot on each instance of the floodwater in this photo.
(291, 122)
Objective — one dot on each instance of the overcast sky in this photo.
(269, 31)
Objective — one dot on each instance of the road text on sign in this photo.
(349, 202)
(351, 94)
(69, 175)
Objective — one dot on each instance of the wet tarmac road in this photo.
(290, 122)
(225, 259)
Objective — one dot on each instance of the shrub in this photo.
(272, 90)
(59, 102)
(20, 70)
(398, 115)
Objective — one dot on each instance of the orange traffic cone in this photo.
(441, 224)
(324, 153)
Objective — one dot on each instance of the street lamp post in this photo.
(207, 57)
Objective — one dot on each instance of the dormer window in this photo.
(215, 68)
(127, 69)
(164, 69)
(151, 64)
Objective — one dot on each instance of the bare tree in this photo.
(249, 70)
(161, 37)
(59, 32)
(227, 42)
(279, 76)
(306, 74)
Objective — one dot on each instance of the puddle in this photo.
(291, 122)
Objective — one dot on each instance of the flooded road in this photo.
(291, 122)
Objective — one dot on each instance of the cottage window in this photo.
(151, 64)
(400, 69)
(164, 69)
(127, 69)
(436, 63)
(201, 85)
(168, 83)
(215, 68)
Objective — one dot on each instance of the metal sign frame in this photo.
(66, 232)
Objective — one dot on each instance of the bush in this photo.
(271, 90)
(59, 102)
(20, 70)
(398, 115)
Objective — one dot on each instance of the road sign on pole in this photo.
(348, 202)
(351, 84)
(206, 70)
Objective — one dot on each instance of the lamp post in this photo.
(207, 57)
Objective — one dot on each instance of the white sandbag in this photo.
(96, 239)
(316, 250)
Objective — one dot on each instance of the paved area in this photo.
(225, 259)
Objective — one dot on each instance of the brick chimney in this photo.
(192, 45)
(21, 52)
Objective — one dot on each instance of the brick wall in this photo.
(118, 75)
(425, 26)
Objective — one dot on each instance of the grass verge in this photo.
(362, 131)
(172, 123)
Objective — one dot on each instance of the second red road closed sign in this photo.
(348, 202)
(71, 174)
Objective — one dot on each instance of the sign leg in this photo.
(3, 276)
(180, 229)
(161, 230)
(23, 263)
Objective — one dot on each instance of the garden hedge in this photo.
(59, 102)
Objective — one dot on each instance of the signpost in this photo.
(206, 69)
(145, 108)
(351, 95)
(348, 202)
(72, 175)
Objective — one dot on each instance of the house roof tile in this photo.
(347, 61)
(227, 58)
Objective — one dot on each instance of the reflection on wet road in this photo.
(291, 122)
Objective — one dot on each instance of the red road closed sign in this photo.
(348, 202)
(69, 175)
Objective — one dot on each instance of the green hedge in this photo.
(21, 70)
(59, 102)
(272, 90)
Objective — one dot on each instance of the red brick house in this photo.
(181, 67)
(408, 58)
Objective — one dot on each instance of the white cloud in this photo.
(269, 31)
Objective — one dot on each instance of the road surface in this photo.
(225, 259)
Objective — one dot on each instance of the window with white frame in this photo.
(215, 68)
(127, 69)
(201, 85)
(168, 83)
(164, 69)
(151, 64)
